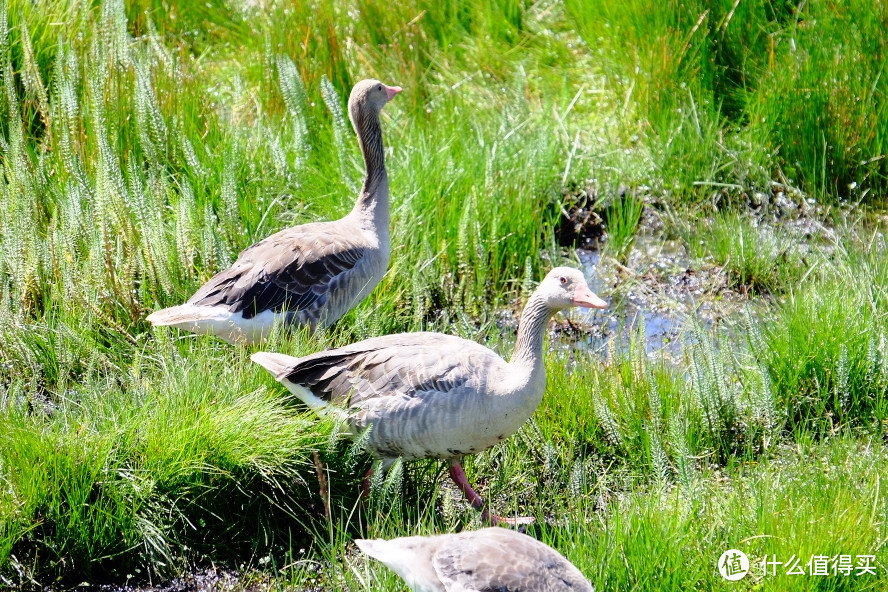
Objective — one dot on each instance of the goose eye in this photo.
(563, 280)
(379, 87)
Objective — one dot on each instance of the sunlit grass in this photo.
(826, 344)
(139, 465)
(757, 257)
(703, 78)
(144, 144)
(622, 216)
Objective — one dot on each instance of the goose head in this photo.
(369, 97)
(564, 287)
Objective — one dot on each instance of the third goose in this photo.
(430, 395)
(310, 274)
(486, 559)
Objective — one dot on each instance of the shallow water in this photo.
(662, 329)
(653, 296)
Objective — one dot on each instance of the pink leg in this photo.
(459, 477)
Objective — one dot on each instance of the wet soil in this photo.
(653, 295)
(209, 579)
(658, 288)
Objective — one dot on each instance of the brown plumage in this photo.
(310, 274)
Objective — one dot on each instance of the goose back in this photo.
(314, 272)
(484, 560)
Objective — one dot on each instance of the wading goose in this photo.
(310, 274)
(486, 559)
(430, 395)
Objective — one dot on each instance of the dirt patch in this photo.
(583, 221)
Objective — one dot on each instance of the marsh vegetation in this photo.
(143, 144)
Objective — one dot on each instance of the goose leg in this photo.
(459, 477)
(365, 485)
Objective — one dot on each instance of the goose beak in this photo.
(586, 298)
(391, 91)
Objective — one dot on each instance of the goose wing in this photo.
(295, 269)
(404, 365)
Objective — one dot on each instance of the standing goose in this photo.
(430, 395)
(486, 559)
(310, 274)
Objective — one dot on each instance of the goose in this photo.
(430, 395)
(486, 559)
(307, 275)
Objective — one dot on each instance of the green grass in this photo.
(826, 341)
(143, 465)
(671, 539)
(144, 144)
(756, 257)
(622, 217)
(733, 94)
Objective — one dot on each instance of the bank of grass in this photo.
(731, 93)
(125, 471)
(143, 145)
(806, 500)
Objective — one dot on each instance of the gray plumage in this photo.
(310, 274)
(430, 395)
(486, 560)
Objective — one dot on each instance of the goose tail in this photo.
(176, 316)
(214, 320)
(279, 365)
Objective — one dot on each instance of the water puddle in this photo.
(629, 311)
(658, 292)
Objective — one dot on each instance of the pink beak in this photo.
(391, 91)
(586, 298)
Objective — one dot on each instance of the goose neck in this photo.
(531, 327)
(374, 192)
